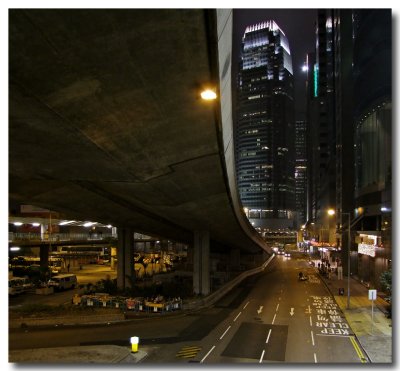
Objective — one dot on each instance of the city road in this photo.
(271, 317)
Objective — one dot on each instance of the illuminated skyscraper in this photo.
(300, 174)
(264, 139)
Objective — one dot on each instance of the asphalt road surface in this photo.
(269, 318)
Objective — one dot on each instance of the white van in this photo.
(63, 281)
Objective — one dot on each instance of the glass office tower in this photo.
(264, 137)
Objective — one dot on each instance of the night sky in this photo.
(298, 26)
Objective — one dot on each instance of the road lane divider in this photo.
(312, 338)
(277, 307)
(224, 332)
(273, 320)
(315, 358)
(269, 334)
(262, 356)
(207, 354)
(237, 317)
(246, 305)
(358, 350)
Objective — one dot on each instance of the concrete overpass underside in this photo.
(106, 122)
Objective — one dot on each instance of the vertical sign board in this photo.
(372, 297)
(372, 294)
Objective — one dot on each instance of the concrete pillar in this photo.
(201, 262)
(125, 264)
(44, 255)
(234, 259)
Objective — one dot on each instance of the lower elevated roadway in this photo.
(106, 102)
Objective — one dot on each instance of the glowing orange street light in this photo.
(208, 94)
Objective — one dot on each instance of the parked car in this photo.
(19, 285)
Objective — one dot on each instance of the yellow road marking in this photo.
(358, 350)
(188, 352)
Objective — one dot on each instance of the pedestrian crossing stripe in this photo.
(188, 352)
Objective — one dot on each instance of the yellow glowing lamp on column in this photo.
(135, 343)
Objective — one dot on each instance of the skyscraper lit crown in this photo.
(267, 24)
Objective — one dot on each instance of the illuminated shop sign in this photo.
(365, 249)
(367, 244)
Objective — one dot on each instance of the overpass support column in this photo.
(44, 255)
(126, 263)
(234, 259)
(201, 263)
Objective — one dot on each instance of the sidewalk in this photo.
(101, 354)
(376, 340)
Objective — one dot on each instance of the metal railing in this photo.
(13, 237)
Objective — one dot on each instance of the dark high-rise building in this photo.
(264, 140)
(372, 32)
(343, 62)
(321, 118)
(349, 113)
(300, 174)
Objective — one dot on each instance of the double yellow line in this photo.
(358, 350)
(188, 352)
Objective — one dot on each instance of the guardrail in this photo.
(212, 298)
(55, 237)
(138, 304)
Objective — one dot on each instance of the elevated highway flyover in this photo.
(106, 124)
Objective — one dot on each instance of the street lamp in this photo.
(332, 212)
(348, 257)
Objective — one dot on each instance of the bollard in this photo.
(134, 343)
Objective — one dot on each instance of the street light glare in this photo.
(208, 94)
(331, 212)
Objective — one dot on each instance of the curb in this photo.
(355, 335)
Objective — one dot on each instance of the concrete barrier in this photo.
(216, 295)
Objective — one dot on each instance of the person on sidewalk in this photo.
(340, 272)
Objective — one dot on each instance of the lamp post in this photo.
(332, 212)
(348, 258)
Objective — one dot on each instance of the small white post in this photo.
(372, 317)
(372, 297)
